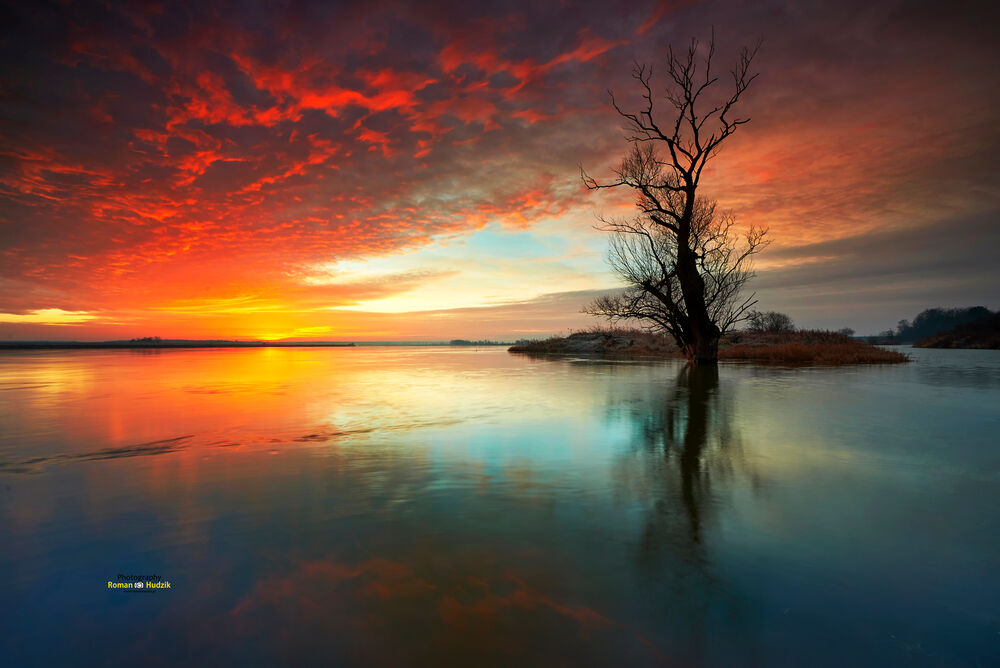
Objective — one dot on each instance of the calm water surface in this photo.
(460, 506)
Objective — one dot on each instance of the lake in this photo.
(398, 506)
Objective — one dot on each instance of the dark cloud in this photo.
(953, 248)
(870, 281)
(239, 142)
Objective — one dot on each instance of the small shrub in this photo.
(769, 321)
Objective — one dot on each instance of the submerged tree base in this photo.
(787, 348)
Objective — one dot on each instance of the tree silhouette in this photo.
(770, 321)
(682, 263)
(644, 256)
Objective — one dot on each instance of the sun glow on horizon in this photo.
(49, 316)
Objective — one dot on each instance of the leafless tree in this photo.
(770, 321)
(644, 255)
(682, 264)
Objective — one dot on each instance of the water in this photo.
(460, 506)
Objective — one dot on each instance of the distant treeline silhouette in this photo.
(934, 321)
(983, 334)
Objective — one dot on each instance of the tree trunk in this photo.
(703, 348)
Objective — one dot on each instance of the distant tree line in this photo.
(933, 321)
(926, 324)
(982, 334)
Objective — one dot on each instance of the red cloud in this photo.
(197, 151)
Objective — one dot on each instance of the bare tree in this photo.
(681, 262)
(770, 321)
(644, 255)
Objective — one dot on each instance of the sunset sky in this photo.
(408, 171)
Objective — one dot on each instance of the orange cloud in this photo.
(155, 156)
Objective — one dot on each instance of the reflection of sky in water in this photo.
(401, 505)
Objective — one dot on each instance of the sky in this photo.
(411, 171)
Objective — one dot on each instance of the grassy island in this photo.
(791, 348)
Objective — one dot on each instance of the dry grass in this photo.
(805, 347)
(635, 341)
(803, 336)
(821, 353)
(614, 341)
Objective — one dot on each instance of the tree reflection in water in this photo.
(687, 465)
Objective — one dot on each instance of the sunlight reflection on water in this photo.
(403, 505)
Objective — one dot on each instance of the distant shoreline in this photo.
(73, 345)
(180, 344)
